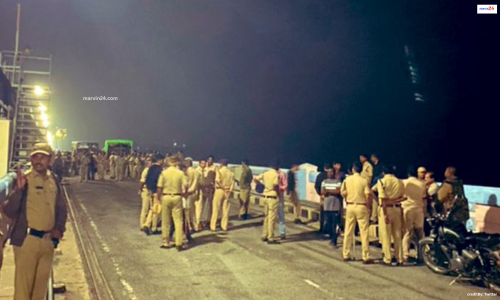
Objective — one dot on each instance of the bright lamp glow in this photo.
(44, 117)
(42, 108)
(39, 90)
(45, 124)
(50, 139)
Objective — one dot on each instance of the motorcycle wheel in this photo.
(426, 248)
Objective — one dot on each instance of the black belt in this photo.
(172, 194)
(352, 203)
(393, 205)
(37, 233)
(272, 197)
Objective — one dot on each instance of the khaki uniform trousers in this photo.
(356, 213)
(244, 198)
(271, 213)
(112, 170)
(294, 198)
(119, 172)
(84, 170)
(221, 197)
(413, 222)
(171, 207)
(33, 262)
(137, 171)
(146, 202)
(190, 211)
(374, 216)
(100, 171)
(393, 229)
(131, 170)
(154, 214)
(203, 203)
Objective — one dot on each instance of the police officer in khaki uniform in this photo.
(145, 197)
(270, 179)
(84, 167)
(413, 210)
(391, 193)
(245, 187)
(120, 167)
(192, 194)
(224, 183)
(204, 193)
(367, 173)
(155, 205)
(101, 165)
(38, 206)
(112, 166)
(131, 166)
(172, 186)
(356, 192)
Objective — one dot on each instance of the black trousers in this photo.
(332, 219)
(322, 220)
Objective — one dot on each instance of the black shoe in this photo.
(264, 239)
(273, 242)
(348, 259)
(283, 237)
(368, 262)
(147, 231)
(245, 216)
(179, 248)
(383, 263)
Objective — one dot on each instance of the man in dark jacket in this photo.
(39, 212)
(317, 186)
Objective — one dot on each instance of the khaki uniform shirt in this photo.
(355, 189)
(224, 179)
(270, 179)
(41, 201)
(392, 188)
(173, 181)
(84, 160)
(120, 161)
(193, 179)
(432, 189)
(112, 160)
(415, 192)
(367, 172)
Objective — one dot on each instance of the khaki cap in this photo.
(42, 148)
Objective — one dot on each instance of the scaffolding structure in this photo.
(30, 78)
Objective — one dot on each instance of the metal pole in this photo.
(18, 91)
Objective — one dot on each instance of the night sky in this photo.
(298, 81)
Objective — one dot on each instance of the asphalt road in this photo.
(235, 265)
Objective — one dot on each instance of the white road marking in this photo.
(312, 283)
(105, 248)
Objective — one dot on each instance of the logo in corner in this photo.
(486, 8)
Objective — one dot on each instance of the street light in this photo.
(39, 90)
(42, 108)
(50, 139)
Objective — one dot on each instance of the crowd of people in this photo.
(369, 193)
(185, 199)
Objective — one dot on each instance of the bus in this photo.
(84, 147)
(118, 146)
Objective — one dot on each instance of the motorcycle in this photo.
(455, 251)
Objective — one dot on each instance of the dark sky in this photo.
(301, 81)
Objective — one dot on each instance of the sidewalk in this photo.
(68, 269)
